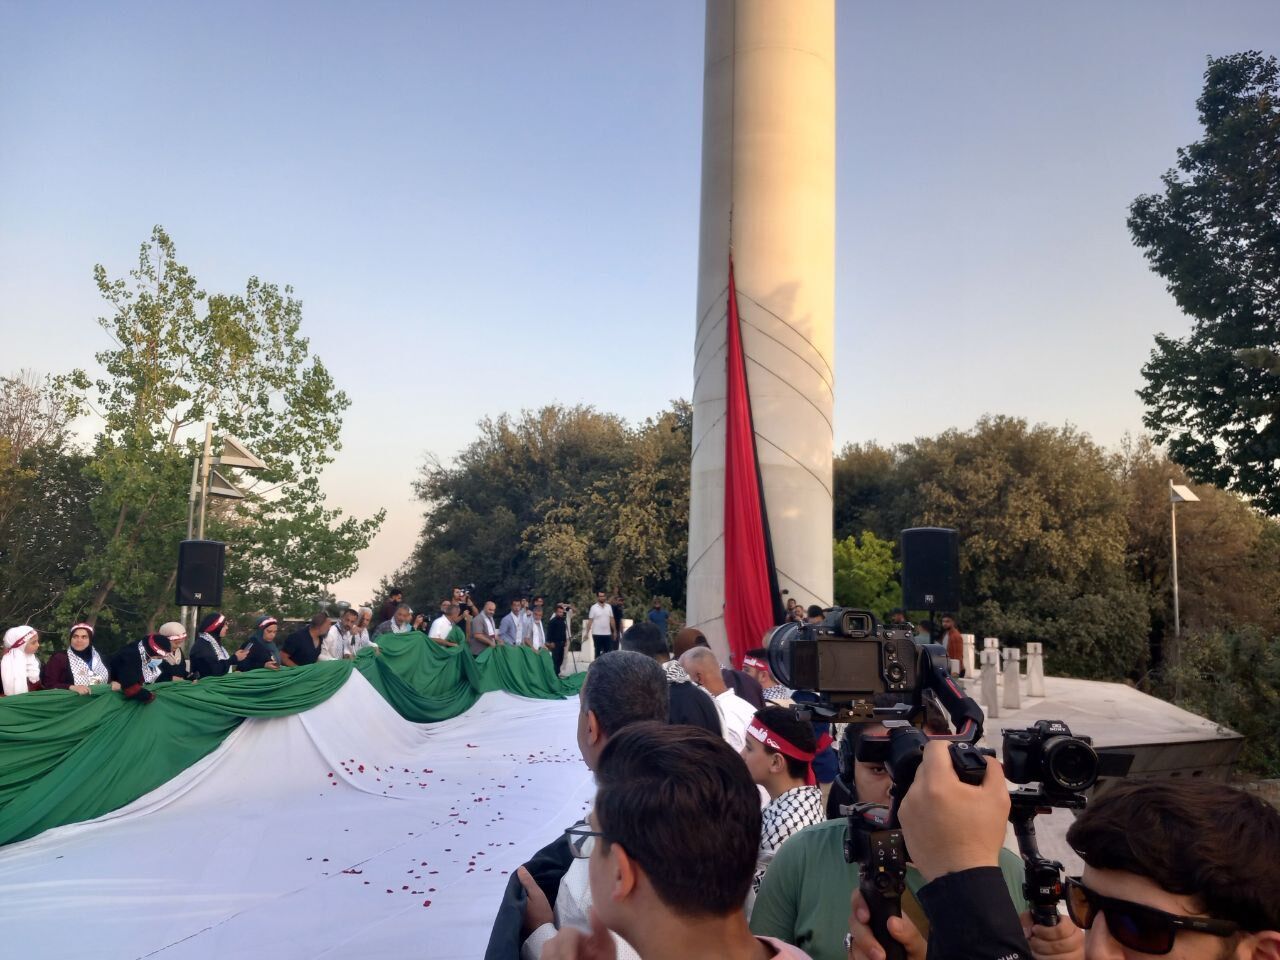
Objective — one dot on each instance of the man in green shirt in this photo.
(804, 898)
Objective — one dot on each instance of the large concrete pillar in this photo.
(768, 190)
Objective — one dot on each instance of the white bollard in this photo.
(1035, 670)
(1012, 678)
(969, 661)
(990, 679)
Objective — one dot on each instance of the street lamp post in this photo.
(1177, 494)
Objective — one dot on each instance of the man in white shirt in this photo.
(339, 642)
(604, 629)
(444, 624)
(736, 714)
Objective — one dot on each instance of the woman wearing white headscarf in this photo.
(79, 667)
(20, 668)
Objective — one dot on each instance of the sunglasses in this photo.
(1133, 925)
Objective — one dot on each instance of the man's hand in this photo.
(948, 825)
(1065, 941)
(571, 944)
(537, 909)
(864, 945)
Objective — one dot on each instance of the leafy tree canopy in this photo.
(181, 356)
(561, 501)
(1214, 236)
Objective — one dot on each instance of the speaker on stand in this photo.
(200, 566)
(931, 569)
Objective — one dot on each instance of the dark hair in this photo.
(394, 592)
(682, 805)
(319, 617)
(622, 688)
(814, 610)
(1195, 838)
(759, 653)
(787, 725)
(645, 637)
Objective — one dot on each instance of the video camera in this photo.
(850, 658)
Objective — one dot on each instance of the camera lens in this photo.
(778, 650)
(1070, 764)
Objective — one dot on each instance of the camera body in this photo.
(1047, 753)
(848, 659)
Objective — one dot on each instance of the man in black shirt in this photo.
(303, 645)
(557, 636)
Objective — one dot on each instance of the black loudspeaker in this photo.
(931, 569)
(200, 565)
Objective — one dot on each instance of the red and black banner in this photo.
(752, 603)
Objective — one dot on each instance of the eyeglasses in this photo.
(582, 839)
(1134, 925)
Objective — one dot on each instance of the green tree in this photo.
(561, 500)
(1233, 678)
(45, 523)
(864, 481)
(1227, 575)
(866, 574)
(1041, 518)
(180, 357)
(1214, 395)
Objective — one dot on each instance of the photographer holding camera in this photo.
(1186, 869)
(806, 893)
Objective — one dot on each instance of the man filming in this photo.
(1186, 869)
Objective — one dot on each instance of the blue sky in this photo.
(486, 206)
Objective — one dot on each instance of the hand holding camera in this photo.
(970, 833)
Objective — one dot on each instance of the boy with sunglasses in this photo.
(1184, 869)
(1181, 868)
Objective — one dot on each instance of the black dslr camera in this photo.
(848, 659)
(1049, 755)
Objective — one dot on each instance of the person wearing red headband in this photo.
(136, 666)
(80, 667)
(209, 658)
(779, 754)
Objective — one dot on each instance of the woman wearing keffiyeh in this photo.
(80, 667)
(779, 754)
(209, 658)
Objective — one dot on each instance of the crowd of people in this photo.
(165, 656)
(718, 830)
(709, 837)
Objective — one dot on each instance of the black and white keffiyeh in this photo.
(150, 674)
(675, 673)
(777, 693)
(87, 670)
(790, 813)
(218, 648)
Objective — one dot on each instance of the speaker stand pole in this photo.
(191, 520)
(205, 466)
